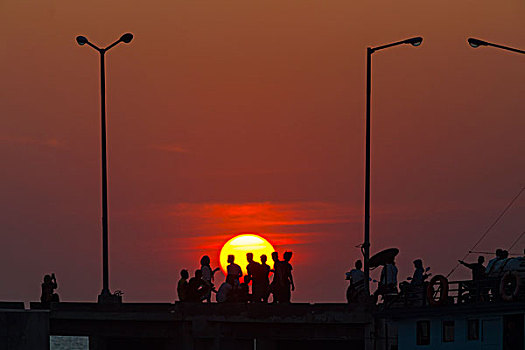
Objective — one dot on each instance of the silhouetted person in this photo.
(478, 270)
(419, 276)
(242, 292)
(480, 286)
(388, 280)
(265, 279)
(357, 283)
(182, 285)
(255, 274)
(48, 287)
(275, 286)
(286, 280)
(197, 288)
(207, 276)
(234, 269)
(225, 292)
(492, 262)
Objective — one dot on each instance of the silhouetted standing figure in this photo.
(478, 270)
(254, 274)
(207, 276)
(234, 270)
(480, 286)
(275, 286)
(182, 285)
(265, 280)
(48, 287)
(492, 262)
(287, 278)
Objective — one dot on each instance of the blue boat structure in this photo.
(486, 314)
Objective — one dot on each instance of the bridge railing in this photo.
(458, 292)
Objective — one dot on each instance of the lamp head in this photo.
(476, 42)
(82, 40)
(126, 38)
(414, 41)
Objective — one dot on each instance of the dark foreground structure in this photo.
(494, 325)
(208, 326)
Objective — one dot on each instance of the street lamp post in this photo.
(105, 296)
(416, 41)
(475, 43)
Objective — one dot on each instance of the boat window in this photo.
(472, 329)
(423, 333)
(448, 331)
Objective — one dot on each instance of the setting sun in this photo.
(242, 244)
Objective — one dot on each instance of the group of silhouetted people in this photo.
(387, 284)
(236, 287)
(483, 278)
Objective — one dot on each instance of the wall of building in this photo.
(24, 330)
(490, 333)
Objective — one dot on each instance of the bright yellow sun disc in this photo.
(239, 245)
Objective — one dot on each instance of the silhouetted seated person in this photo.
(233, 269)
(388, 281)
(416, 289)
(183, 286)
(225, 292)
(265, 280)
(197, 288)
(356, 289)
(241, 293)
(48, 287)
(419, 276)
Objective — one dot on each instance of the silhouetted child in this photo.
(234, 270)
(48, 287)
(207, 275)
(182, 285)
(197, 288)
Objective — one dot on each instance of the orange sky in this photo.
(232, 116)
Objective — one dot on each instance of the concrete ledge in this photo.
(18, 305)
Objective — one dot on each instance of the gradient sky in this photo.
(233, 116)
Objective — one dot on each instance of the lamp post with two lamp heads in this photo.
(475, 43)
(416, 41)
(105, 296)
